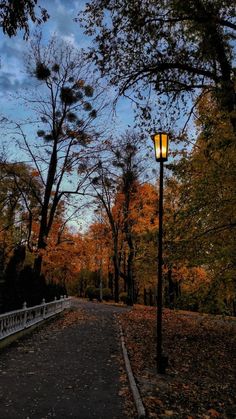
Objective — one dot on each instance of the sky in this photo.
(14, 78)
(13, 50)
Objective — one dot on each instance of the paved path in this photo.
(68, 369)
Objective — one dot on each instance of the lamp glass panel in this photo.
(161, 146)
(164, 145)
(157, 145)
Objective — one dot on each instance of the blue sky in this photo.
(13, 75)
(13, 50)
(14, 78)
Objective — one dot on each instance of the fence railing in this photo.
(15, 321)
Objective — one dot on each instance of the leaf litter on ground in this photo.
(200, 378)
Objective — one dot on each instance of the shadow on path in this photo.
(67, 369)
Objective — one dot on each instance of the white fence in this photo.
(15, 321)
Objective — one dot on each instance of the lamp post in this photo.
(100, 282)
(100, 261)
(161, 140)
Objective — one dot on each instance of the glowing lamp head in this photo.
(161, 142)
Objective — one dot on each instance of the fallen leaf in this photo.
(169, 412)
(213, 413)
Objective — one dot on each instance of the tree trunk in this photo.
(110, 283)
(38, 265)
(116, 270)
(116, 285)
(130, 283)
(44, 220)
(171, 289)
(145, 297)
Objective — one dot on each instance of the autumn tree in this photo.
(128, 162)
(61, 259)
(115, 185)
(88, 264)
(206, 218)
(99, 245)
(98, 241)
(65, 106)
(144, 214)
(171, 47)
(104, 186)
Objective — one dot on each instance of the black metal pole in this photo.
(160, 360)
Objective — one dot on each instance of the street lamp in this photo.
(161, 140)
(161, 143)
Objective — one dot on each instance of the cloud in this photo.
(62, 14)
(8, 83)
(12, 67)
(11, 49)
(61, 22)
(13, 75)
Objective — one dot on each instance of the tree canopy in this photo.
(173, 47)
(16, 14)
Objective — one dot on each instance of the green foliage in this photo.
(202, 230)
(92, 293)
(123, 297)
(210, 298)
(188, 302)
(106, 294)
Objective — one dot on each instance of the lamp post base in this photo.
(162, 364)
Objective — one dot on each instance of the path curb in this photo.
(136, 395)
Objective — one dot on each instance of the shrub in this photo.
(106, 294)
(123, 297)
(91, 293)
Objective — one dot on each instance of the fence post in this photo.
(61, 301)
(24, 307)
(44, 308)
